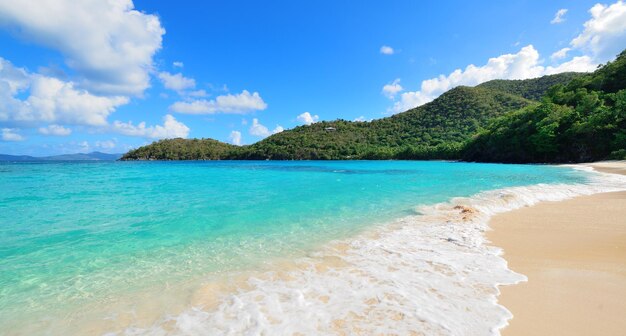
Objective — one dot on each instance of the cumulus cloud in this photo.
(241, 103)
(558, 17)
(176, 82)
(49, 99)
(576, 64)
(307, 119)
(171, 128)
(109, 44)
(235, 138)
(361, 119)
(178, 64)
(10, 134)
(57, 130)
(392, 89)
(257, 129)
(387, 50)
(560, 54)
(522, 65)
(604, 35)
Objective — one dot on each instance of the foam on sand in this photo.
(433, 273)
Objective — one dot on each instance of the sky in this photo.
(112, 75)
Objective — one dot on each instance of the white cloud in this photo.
(197, 93)
(50, 99)
(12, 79)
(558, 17)
(10, 134)
(176, 82)
(109, 44)
(560, 54)
(57, 130)
(576, 64)
(392, 89)
(604, 35)
(361, 119)
(522, 65)
(171, 129)
(387, 50)
(55, 101)
(257, 129)
(241, 103)
(84, 146)
(307, 119)
(178, 64)
(107, 144)
(235, 138)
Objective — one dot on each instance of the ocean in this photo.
(262, 247)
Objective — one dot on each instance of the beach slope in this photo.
(574, 255)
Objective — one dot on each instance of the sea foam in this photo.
(433, 273)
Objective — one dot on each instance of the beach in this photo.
(574, 255)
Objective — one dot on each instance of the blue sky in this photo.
(113, 75)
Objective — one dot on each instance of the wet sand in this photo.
(574, 255)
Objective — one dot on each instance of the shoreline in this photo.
(409, 271)
(574, 255)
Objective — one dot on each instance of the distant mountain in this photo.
(93, 156)
(15, 158)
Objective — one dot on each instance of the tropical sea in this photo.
(262, 247)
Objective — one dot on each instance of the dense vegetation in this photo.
(533, 88)
(584, 120)
(568, 117)
(181, 149)
(434, 130)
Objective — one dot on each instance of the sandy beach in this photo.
(574, 255)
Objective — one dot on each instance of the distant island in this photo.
(567, 117)
(93, 156)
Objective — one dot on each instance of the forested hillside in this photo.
(181, 149)
(568, 117)
(436, 129)
(533, 88)
(584, 120)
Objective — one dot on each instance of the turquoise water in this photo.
(73, 234)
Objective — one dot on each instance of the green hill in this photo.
(181, 149)
(533, 88)
(584, 120)
(437, 130)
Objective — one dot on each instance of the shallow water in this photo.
(241, 247)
